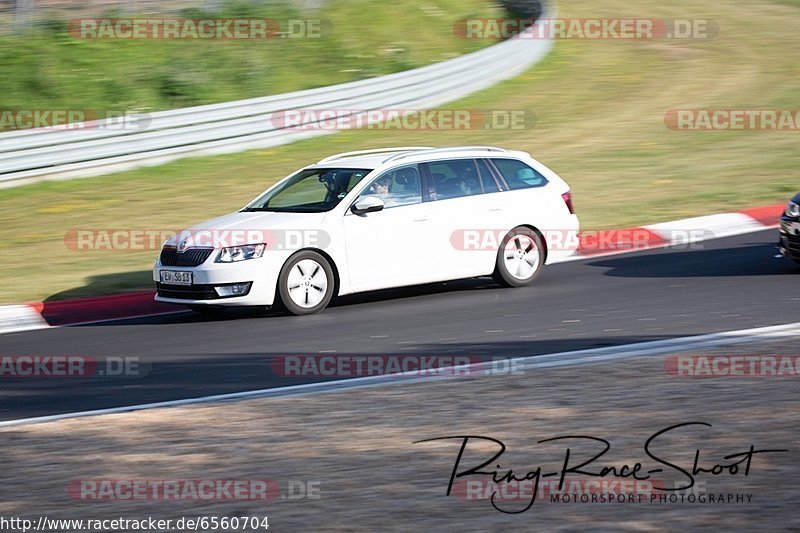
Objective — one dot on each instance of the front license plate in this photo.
(174, 277)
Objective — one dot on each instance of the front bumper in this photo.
(204, 292)
(789, 242)
(261, 273)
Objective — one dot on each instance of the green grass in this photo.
(47, 68)
(600, 108)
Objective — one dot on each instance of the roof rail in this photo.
(448, 149)
(372, 151)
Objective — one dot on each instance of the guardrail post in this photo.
(23, 14)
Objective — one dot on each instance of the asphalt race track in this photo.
(726, 284)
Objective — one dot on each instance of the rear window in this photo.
(518, 175)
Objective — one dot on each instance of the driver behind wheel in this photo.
(381, 187)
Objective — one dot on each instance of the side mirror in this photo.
(368, 204)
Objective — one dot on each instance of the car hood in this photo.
(245, 228)
(263, 220)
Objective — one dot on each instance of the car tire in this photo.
(306, 283)
(519, 258)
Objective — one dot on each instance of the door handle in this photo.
(496, 209)
(423, 219)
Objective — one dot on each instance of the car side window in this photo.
(397, 187)
(454, 179)
(518, 175)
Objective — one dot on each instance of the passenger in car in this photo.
(382, 188)
(451, 188)
(469, 182)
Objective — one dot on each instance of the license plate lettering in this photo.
(172, 277)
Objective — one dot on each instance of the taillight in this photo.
(567, 196)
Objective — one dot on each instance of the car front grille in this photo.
(187, 292)
(192, 257)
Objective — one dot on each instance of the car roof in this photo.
(373, 159)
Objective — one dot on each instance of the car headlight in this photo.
(793, 210)
(240, 253)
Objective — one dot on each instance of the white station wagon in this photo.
(375, 219)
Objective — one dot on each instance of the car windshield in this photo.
(310, 191)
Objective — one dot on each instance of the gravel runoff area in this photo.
(354, 451)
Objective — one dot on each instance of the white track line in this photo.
(562, 359)
(15, 318)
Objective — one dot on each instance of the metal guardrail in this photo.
(41, 154)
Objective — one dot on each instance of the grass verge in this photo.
(48, 68)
